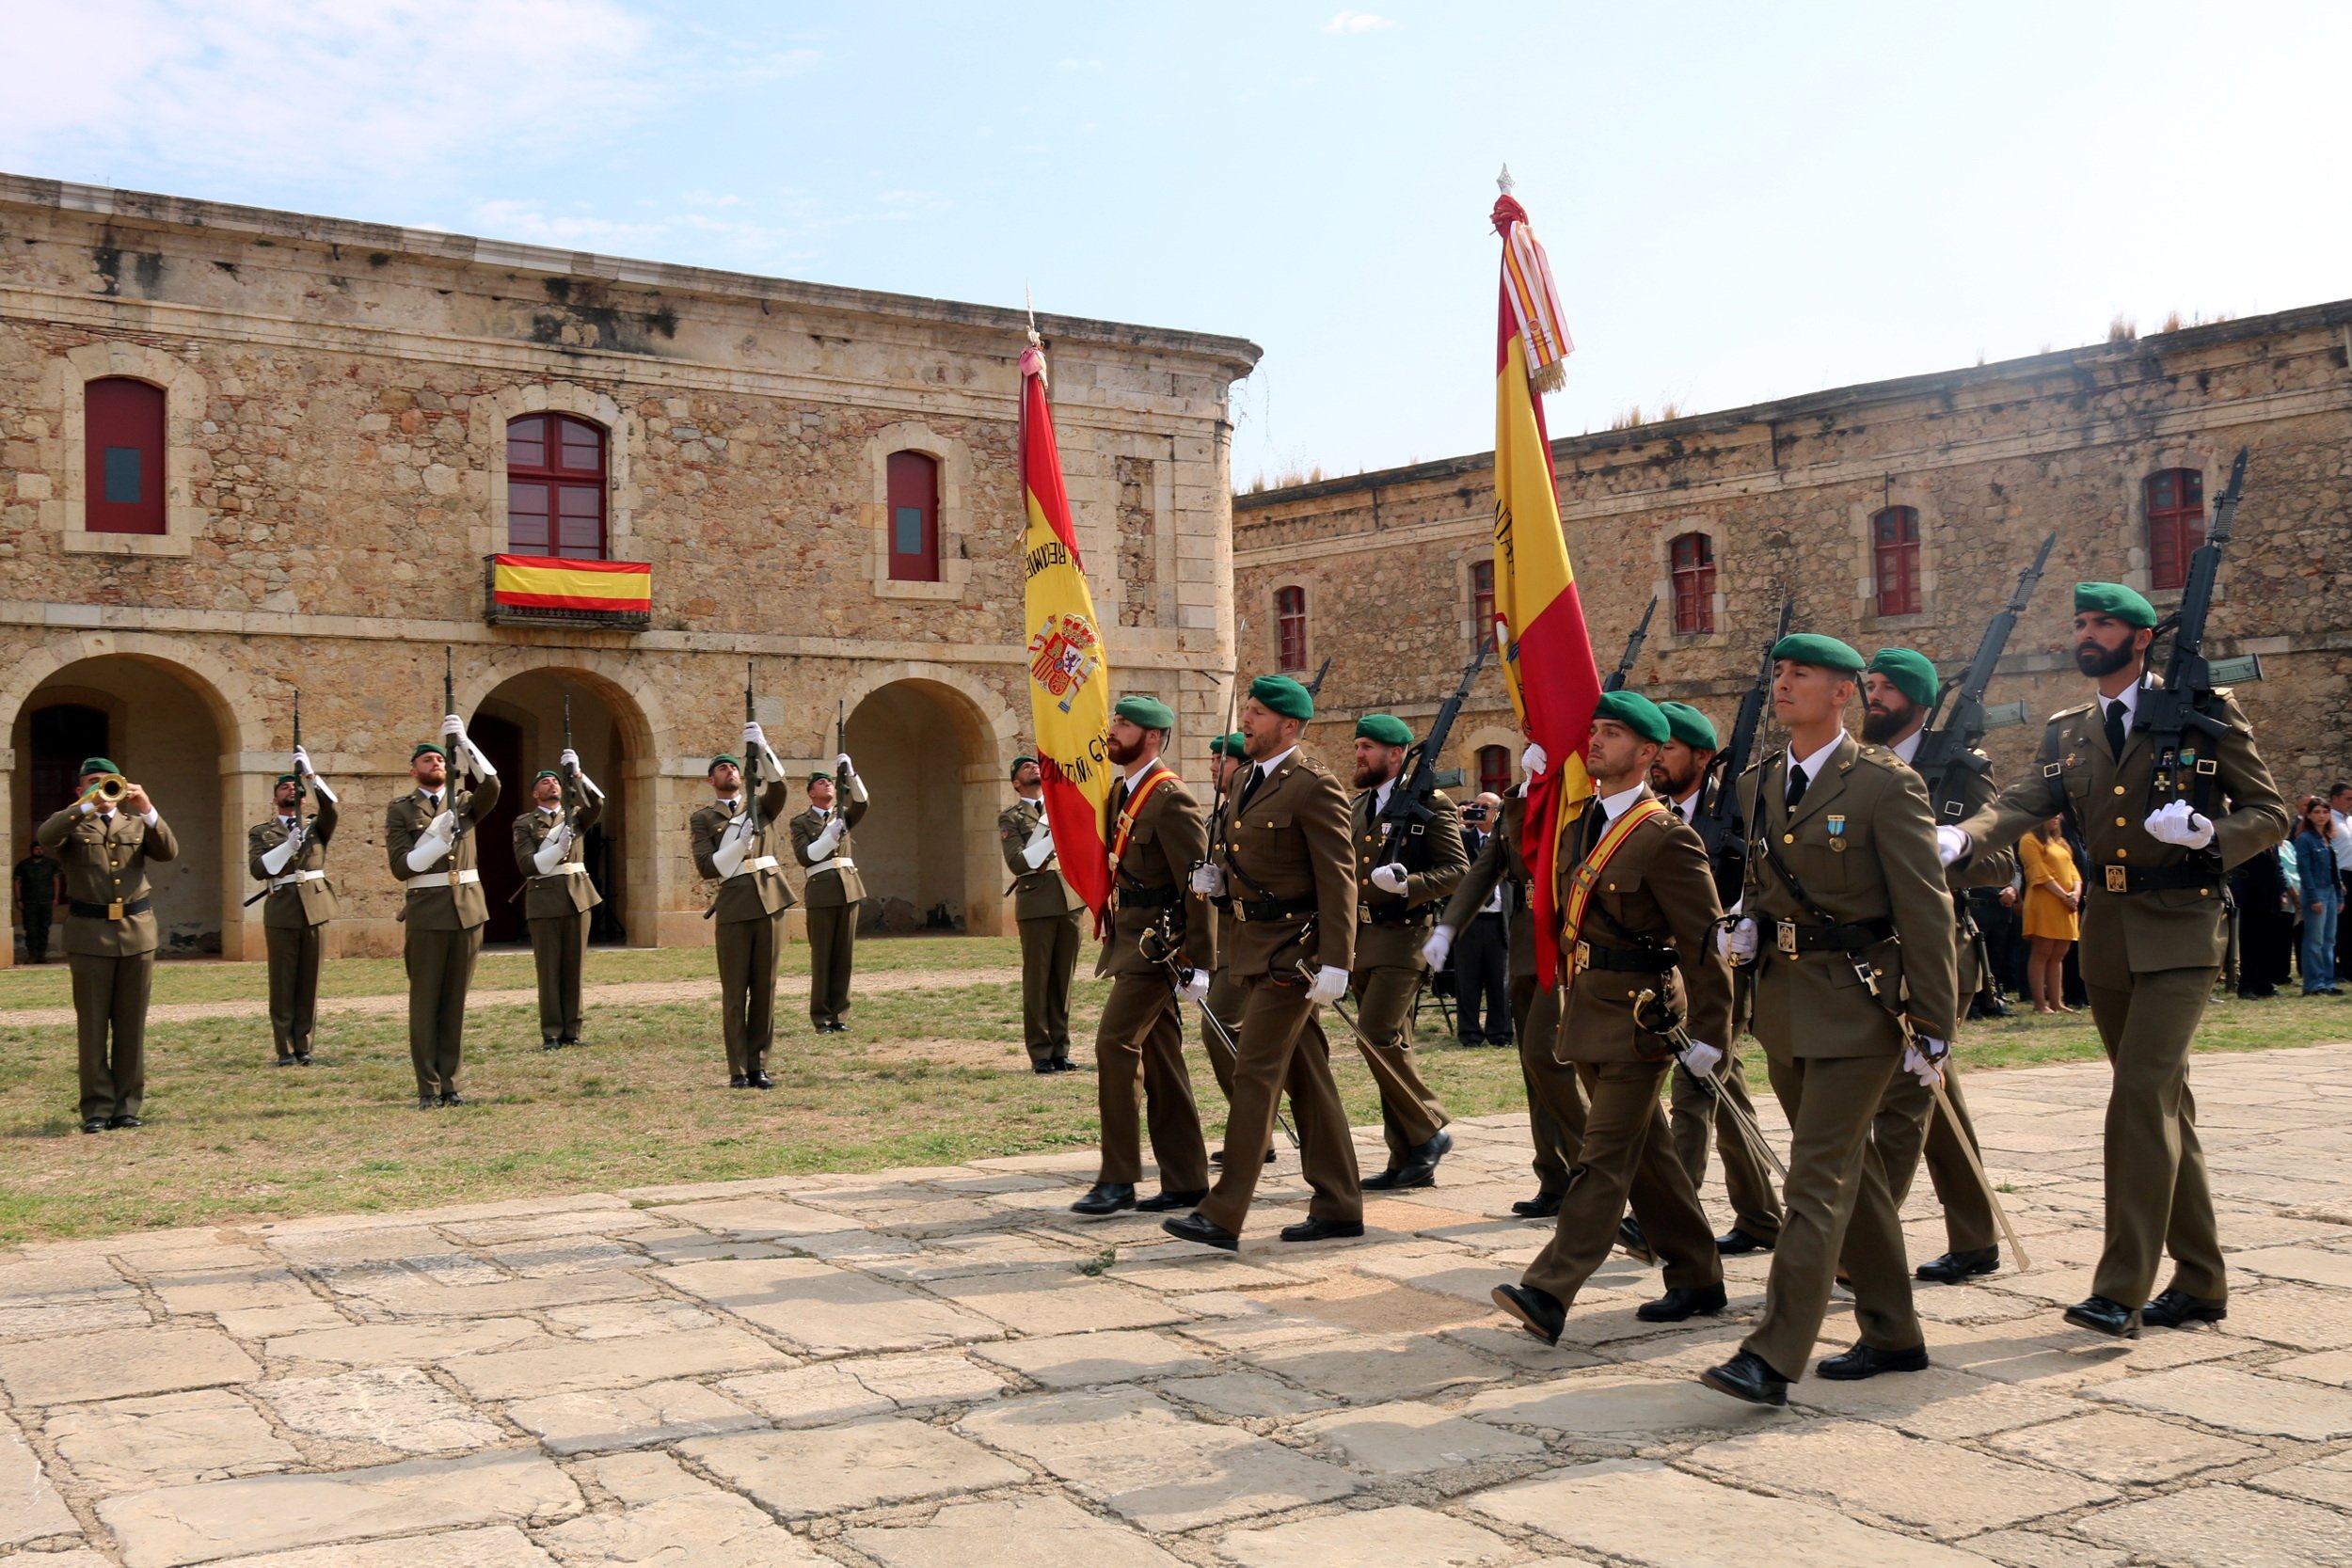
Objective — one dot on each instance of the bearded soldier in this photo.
(1046, 907)
(2152, 946)
(429, 843)
(733, 846)
(550, 849)
(1404, 869)
(287, 854)
(110, 936)
(833, 890)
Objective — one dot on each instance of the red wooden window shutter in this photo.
(1482, 601)
(2176, 525)
(913, 518)
(122, 423)
(1290, 628)
(1494, 773)
(1693, 575)
(1895, 553)
(555, 487)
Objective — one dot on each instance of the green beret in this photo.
(1228, 745)
(1019, 763)
(1145, 712)
(1912, 675)
(547, 773)
(286, 778)
(1822, 653)
(421, 751)
(820, 778)
(1635, 712)
(1690, 726)
(1386, 729)
(1281, 694)
(2113, 599)
(728, 758)
(97, 764)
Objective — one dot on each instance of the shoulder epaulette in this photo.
(2065, 713)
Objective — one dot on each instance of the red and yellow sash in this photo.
(1588, 871)
(1125, 828)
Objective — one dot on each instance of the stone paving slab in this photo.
(861, 1466)
(30, 1507)
(120, 1362)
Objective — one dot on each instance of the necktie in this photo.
(434, 801)
(1797, 781)
(2115, 728)
(1249, 785)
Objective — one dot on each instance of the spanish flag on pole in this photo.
(1070, 704)
(1547, 655)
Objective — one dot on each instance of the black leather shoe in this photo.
(427, 1102)
(453, 1098)
(836, 1027)
(1735, 1243)
(1044, 1069)
(568, 1041)
(1062, 1064)
(1748, 1376)
(1681, 1302)
(761, 1080)
(1164, 1202)
(95, 1124)
(286, 1060)
(1953, 1267)
(1200, 1228)
(2102, 1316)
(2173, 1307)
(126, 1121)
(1869, 1361)
(1313, 1229)
(736, 1081)
(1383, 1182)
(1630, 1238)
(1543, 1206)
(551, 1045)
(1106, 1197)
(302, 1058)
(1539, 1312)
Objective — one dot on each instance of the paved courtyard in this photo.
(942, 1368)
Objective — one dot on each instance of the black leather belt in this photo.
(1849, 938)
(1248, 909)
(1387, 914)
(109, 911)
(1135, 895)
(1626, 961)
(2152, 879)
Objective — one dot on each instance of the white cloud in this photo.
(1358, 21)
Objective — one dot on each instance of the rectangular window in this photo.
(1895, 555)
(1482, 578)
(1692, 564)
(913, 503)
(123, 472)
(2176, 525)
(555, 487)
(1290, 628)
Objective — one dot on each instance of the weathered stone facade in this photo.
(1991, 458)
(337, 399)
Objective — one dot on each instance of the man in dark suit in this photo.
(1482, 954)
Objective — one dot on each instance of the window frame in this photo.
(902, 490)
(2181, 526)
(1498, 780)
(1692, 584)
(552, 478)
(1482, 598)
(1290, 628)
(126, 413)
(1896, 577)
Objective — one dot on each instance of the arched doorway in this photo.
(519, 727)
(926, 849)
(164, 726)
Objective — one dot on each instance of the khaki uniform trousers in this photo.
(1625, 1152)
(1910, 1124)
(1837, 1207)
(832, 945)
(110, 1027)
(1139, 1068)
(1283, 1051)
(440, 971)
(748, 953)
(1049, 961)
(1226, 999)
(2159, 1201)
(1555, 1094)
(559, 950)
(293, 985)
(1409, 1113)
(1748, 1182)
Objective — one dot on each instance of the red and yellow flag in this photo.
(1547, 655)
(545, 583)
(1070, 705)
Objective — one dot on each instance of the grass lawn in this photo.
(929, 1076)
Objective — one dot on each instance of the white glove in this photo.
(841, 764)
(754, 739)
(301, 763)
(1208, 880)
(1435, 950)
(1196, 985)
(275, 860)
(1389, 879)
(551, 854)
(1925, 1059)
(1700, 1059)
(733, 844)
(821, 846)
(443, 827)
(1736, 941)
(1535, 762)
(439, 836)
(2177, 824)
(1951, 844)
(1040, 846)
(452, 726)
(1330, 984)
(568, 760)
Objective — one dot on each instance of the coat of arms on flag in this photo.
(1063, 653)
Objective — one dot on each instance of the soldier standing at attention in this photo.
(2152, 946)
(36, 881)
(820, 841)
(1046, 908)
(110, 936)
(1847, 921)
(288, 855)
(1638, 914)
(731, 848)
(550, 849)
(429, 843)
(1404, 872)
(1286, 870)
(1156, 835)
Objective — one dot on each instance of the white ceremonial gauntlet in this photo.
(551, 854)
(733, 844)
(275, 860)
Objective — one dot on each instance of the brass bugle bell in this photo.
(109, 787)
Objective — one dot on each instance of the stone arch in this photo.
(187, 396)
(937, 745)
(486, 417)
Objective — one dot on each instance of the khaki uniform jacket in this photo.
(1862, 843)
(558, 893)
(1657, 885)
(1390, 926)
(104, 860)
(1042, 893)
(311, 901)
(1500, 861)
(827, 890)
(1291, 843)
(459, 907)
(1986, 870)
(2129, 933)
(1170, 837)
(749, 895)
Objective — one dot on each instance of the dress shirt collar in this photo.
(1818, 762)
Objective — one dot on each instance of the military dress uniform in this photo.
(110, 942)
(556, 905)
(832, 892)
(749, 908)
(35, 878)
(296, 904)
(442, 917)
(1045, 910)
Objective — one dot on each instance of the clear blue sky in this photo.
(1742, 202)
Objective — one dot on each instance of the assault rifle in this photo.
(1947, 758)
(1722, 827)
(1615, 682)
(1408, 811)
(448, 704)
(1315, 686)
(302, 791)
(2179, 716)
(751, 763)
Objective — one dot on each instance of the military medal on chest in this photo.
(1836, 826)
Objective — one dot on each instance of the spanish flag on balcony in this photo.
(1547, 655)
(1070, 704)
(547, 583)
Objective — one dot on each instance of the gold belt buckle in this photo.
(2119, 878)
(1787, 934)
(1363, 913)
(1583, 959)
(114, 909)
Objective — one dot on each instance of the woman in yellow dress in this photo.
(2054, 896)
